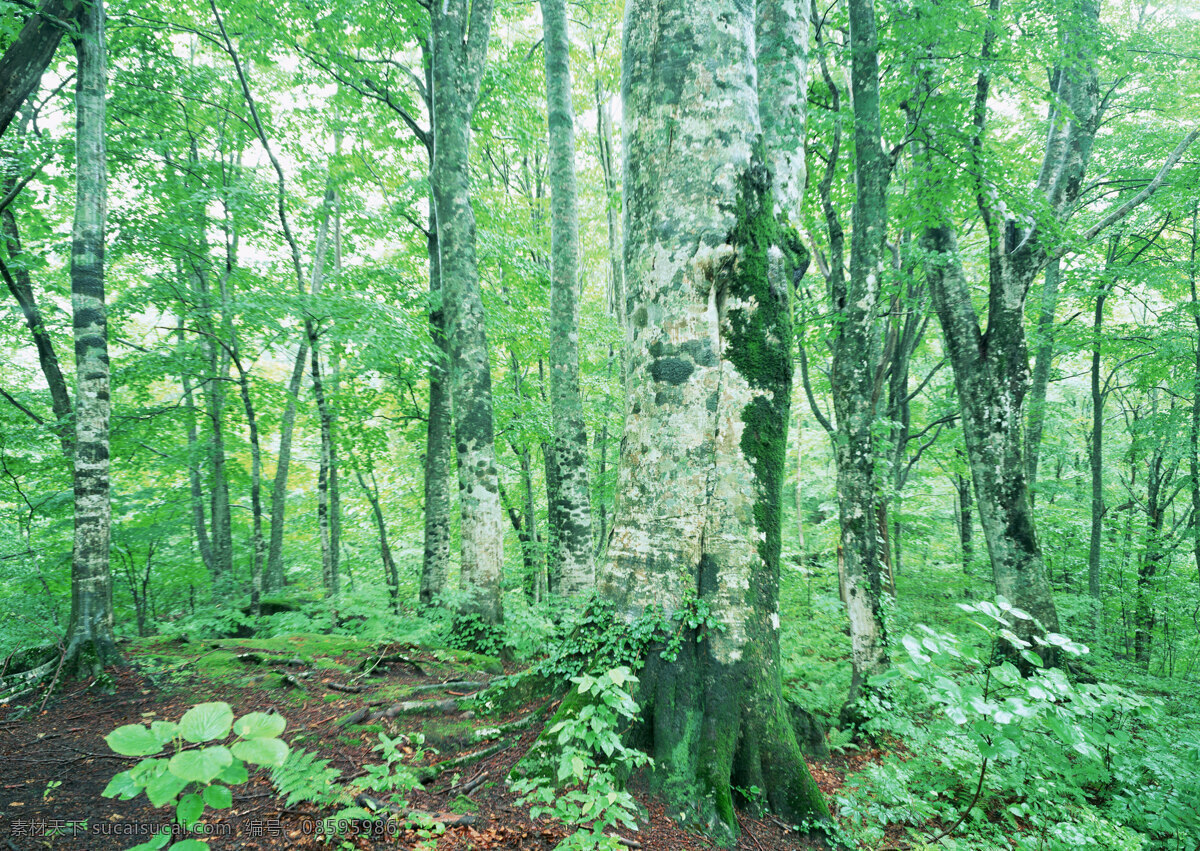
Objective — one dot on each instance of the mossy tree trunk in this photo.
(89, 640)
(712, 171)
(460, 38)
(28, 55)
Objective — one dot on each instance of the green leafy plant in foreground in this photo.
(585, 790)
(1024, 759)
(191, 778)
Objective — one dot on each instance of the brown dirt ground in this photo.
(54, 764)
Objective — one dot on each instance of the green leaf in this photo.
(189, 810)
(206, 721)
(261, 751)
(189, 845)
(164, 788)
(160, 840)
(165, 731)
(201, 766)
(123, 785)
(260, 725)
(133, 740)
(234, 773)
(218, 797)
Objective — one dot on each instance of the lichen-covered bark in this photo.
(1043, 361)
(89, 639)
(855, 357)
(460, 36)
(708, 337)
(573, 536)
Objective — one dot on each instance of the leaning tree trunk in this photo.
(855, 356)
(708, 337)
(460, 36)
(89, 639)
(27, 56)
(573, 536)
(21, 286)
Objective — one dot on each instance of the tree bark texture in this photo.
(573, 537)
(89, 639)
(708, 342)
(460, 36)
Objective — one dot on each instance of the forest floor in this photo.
(56, 762)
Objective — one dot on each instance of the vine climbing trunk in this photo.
(89, 640)
(710, 186)
(572, 552)
(460, 38)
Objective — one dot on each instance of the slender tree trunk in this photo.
(573, 535)
(1096, 453)
(435, 568)
(89, 639)
(390, 574)
(966, 521)
(1043, 361)
(329, 565)
(855, 356)
(708, 340)
(460, 35)
(287, 425)
(19, 283)
(1194, 458)
(195, 484)
(275, 577)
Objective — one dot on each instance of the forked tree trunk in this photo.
(708, 334)
(460, 36)
(89, 640)
(573, 535)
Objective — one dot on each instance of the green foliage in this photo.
(304, 777)
(202, 776)
(584, 788)
(1030, 756)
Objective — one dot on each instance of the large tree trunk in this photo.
(89, 639)
(708, 339)
(855, 358)
(435, 567)
(573, 536)
(460, 35)
(27, 57)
